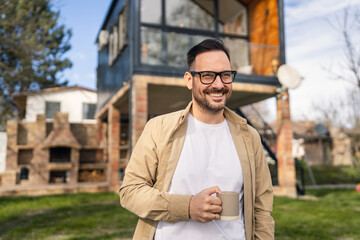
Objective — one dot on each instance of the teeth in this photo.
(216, 94)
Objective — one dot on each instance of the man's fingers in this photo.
(212, 190)
(215, 209)
(204, 207)
(211, 216)
(215, 201)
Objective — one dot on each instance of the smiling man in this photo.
(183, 159)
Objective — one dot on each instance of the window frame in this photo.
(83, 109)
(118, 35)
(164, 28)
(52, 117)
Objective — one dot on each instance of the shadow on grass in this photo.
(90, 221)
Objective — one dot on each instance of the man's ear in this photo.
(188, 80)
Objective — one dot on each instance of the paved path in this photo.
(331, 186)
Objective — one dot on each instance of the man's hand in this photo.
(204, 207)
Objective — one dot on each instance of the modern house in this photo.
(142, 49)
(56, 141)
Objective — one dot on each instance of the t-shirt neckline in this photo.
(208, 125)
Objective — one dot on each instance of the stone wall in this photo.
(31, 145)
(341, 153)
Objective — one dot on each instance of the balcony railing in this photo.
(169, 49)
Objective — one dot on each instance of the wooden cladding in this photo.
(263, 21)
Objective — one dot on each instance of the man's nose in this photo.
(218, 83)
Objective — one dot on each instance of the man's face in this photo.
(213, 97)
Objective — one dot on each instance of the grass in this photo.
(333, 175)
(334, 216)
(76, 216)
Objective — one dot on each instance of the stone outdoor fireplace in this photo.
(60, 154)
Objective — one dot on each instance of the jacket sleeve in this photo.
(137, 192)
(264, 223)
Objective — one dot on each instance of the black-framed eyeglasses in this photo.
(208, 77)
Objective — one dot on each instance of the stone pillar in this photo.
(74, 171)
(113, 147)
(101, 134)
(139, 111)
(286, 163)
(9, 177)
(39, 173)
(101, 154)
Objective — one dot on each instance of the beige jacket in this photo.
(148, 175)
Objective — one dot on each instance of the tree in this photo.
(348, 26)
(344, 112)
(32, 48)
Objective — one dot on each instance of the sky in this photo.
(85, 18)
(312, 45)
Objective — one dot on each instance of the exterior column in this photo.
(39, 172)
(139, 101)
(286, 163)
(101, 133)
(9, 177)
(101, 154)
(113, 147)
(75, 161)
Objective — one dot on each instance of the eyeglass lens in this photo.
(208, 77)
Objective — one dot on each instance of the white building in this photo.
(3, 144)
(78, 102)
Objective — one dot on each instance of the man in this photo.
(183, 159)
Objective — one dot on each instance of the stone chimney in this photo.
(61, 136)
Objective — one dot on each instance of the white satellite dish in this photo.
(288, 76)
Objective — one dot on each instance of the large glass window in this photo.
(151, 11)
(123, 28)
(162, 48)
(51, 108)
(118, 36)
(239, 54)
(89, 110)
(188, 22)
(177, 45)
(151, 46)
(190, 14)
(232, 17)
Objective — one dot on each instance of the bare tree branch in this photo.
(346, 26)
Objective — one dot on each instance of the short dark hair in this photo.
(211, 44)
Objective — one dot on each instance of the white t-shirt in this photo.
(208, 158)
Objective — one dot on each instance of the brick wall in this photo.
(113, 145)
(32, 141)
(286, 163)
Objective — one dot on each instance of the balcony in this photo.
(166, 51)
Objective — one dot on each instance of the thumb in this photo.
(212, 190)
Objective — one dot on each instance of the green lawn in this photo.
(333, 175)
(334, 215)
(75, 216)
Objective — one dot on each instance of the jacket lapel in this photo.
(175, 145)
